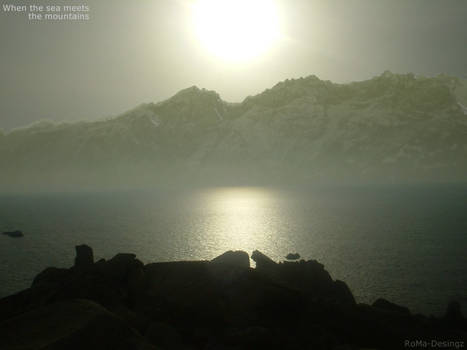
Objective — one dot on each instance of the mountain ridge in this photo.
(388, 129)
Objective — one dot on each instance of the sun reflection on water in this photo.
(239, 217)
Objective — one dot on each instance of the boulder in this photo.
(309, 277)
(84, 257)
(255, 299)
(342, 293)
(183, 291)
(135, 279)
(229, 267)
(71, 324)
(14, 234)
(120, 266)
(24, 301)
(103, 282)
(92, 285)
(383, 304)
(233, 258)
(293, 256)
(51, 276)
(263, 262)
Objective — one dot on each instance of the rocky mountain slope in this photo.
(389, 129)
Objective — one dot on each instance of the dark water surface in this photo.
(405, 244)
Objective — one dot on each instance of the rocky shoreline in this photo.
(219, 304)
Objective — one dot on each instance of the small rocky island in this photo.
(13, 234)
(222, 304)
(292, 256)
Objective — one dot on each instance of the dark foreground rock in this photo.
(13, 234)
(69, 324)
(219, 304)
(383, 304)
(84, 257)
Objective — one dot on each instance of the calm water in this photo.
(405, 244)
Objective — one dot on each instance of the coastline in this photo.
(217, 304)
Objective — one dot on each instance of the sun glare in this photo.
(236, 30)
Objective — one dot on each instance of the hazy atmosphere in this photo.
(233, 174)
(146, 51)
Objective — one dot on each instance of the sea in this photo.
(406, 244)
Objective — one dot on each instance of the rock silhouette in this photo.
(219, 304)
(237, 258)
(84, 257)
(388, 306)
(13, 234)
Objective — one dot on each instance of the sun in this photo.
(236, 30)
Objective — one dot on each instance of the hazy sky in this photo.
(132, 52)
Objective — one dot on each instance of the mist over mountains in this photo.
(390, 129)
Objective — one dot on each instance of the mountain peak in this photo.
(388, 129)
(387, 74)
(194, 91)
